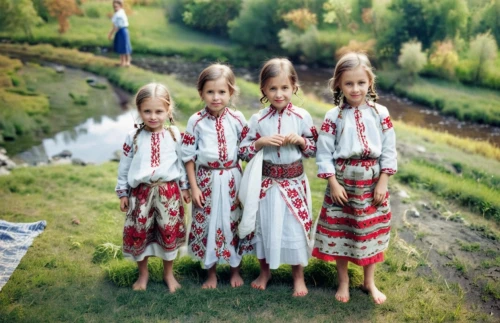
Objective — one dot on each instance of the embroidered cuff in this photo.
(389, 171)
(325, 175)
(122, 193)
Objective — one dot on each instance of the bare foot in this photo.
(261, 281)
(299, 288)
(210, 283)
(172, 283)
(141, 283)
(342, 294)
(236, 280)
(378, 296)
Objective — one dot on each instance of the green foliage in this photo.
(482, 51)
(304, 45)
(256, 24)
(210, 16)
(106, 252)
(92, 12)
(412, 59)
(18, 14)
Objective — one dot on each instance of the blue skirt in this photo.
(121, 43)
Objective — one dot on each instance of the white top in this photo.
(268, 122)
(364, 132)
(154, 160)
(120, 19)
(213, 142)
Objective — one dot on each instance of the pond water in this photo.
(97, 138)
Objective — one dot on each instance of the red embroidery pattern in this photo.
(360, 128)
(366, 163)
(329, 126)
(386, 123)
(146, 224)
(283, 171)
(326, 175)
(314, 133)
(199, 227)
(244, 132)
(220, 244)
(389, 171)
(155, 149)
(188, 139)
(126, 149)
(221, 139)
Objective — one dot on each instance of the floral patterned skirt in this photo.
(155, 222)
(357, 232)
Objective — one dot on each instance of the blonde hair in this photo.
(120, 2)
(215, 72)
(273, 68)
(154, 91)
(348, 62)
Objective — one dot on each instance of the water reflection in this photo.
(93, 141)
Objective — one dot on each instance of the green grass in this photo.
(476, 196)
(59, 269)
(454, 99)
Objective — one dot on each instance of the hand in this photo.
(274, 140)
(337, 191)
(186, 196)
(124, 203)
(380, 191)
(110, 36)
(197, 197)
(294, 139)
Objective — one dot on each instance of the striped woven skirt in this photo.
(358, 231)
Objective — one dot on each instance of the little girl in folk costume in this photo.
(210, 153)
(279, 207)
(150, 180)
(121, 42)
(356, 154)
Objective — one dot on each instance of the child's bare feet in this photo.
(299, 285)
(342, 294)
(171, 282)
(141, 283)
(211, 281)
(299, 288)
(261, 281)
(378, 296)
(236, 280)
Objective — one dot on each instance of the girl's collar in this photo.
(288, 107)
(211, 116)
(346, 105)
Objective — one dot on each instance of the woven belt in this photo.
(292, 170)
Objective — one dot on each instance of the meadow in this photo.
(70, 272)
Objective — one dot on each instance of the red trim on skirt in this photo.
(360, 262)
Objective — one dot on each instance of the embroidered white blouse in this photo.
(268, 122)
(362, 132)
(156, 159)
(213, 141)
(120, 19)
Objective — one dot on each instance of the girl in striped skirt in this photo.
(356, 153)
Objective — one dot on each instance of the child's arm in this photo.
(122, 186)
(388, 157)
(196, 193)
(306, 139)
(112, 32)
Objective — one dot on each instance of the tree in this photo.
(211, 16)
(412, 59)
(444, 59)
(62, 10)
(18, 14)
(256, 25)
(482, 51)
(301, 36)
(339, 12)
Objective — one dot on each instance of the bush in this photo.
(211, 16)
(92, 12)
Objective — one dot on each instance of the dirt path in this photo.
(458, 251)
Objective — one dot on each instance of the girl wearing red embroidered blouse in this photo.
(150, 179)
(278, 137)
(356, 154)
(210, 153)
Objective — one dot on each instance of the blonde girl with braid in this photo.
(152, 185)
(356, 155)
